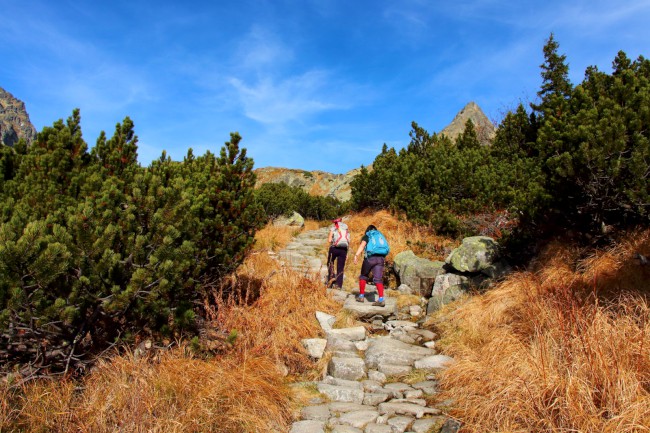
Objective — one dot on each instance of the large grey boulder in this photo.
(388, 351)
(295, 220)
(475, 254)
(446, 289)
(416, 272)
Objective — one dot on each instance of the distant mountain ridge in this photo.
(14, 120)
(338, 185)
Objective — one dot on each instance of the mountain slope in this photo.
(14, 120)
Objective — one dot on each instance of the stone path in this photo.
(359, 393)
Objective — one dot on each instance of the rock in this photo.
(378, 428)
(372, 385)
(399, 424)
(430, 344)
(386, 350)
(335, 343)
(415, 310)
(343, 382)
(402, 408)
(394, 370)
(426, 425)
(497, 270)
(405, 289)
(446, 289)
(341, 393)
(339, 408)
(374, 398)
(338, 295)
(309, 426)
(413, 394)
(365, 310)
(326, 320)
(360, 418)
(485, 129)
(450, 426)
(429, 387)
(416, 272)
(435, 361)
(14, 120)
(345, 429)
(424, 333)
(316, 182)
(295, 220)
(474, 254)
(320, 412)
(399, 324)
(356, 333)
(347, 368)
(376, 376)
(315, 347)
(397, 389)
(361, 345)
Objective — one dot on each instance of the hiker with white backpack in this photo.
(339, 241)
(375, 248)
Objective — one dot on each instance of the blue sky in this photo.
(310, 84)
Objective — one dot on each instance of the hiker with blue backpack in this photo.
(339, 240)
(375, 248)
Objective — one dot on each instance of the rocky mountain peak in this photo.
(14, 120)
(484, 128)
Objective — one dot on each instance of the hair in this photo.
(371, 227)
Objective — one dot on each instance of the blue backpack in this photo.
(377, 244)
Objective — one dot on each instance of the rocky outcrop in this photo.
(14, 120)
(317, 183)
(484, 128)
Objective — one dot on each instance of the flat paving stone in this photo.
(308, 426)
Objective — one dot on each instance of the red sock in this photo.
(380, 289)
(362, 287)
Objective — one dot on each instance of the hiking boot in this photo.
(379, 304)
(360, 298)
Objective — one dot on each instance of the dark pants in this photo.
(374, 264)
(338, 254)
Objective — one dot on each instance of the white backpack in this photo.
(341, 236)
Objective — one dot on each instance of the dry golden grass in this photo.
(563, 348)
(175, 393)
(281, 316)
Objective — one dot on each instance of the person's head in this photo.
(371, 227)
(336, 221)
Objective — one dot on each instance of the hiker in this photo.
(339, 240)
(375, 248)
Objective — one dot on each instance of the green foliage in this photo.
(93, 246)
(281, 199)
(580, 160)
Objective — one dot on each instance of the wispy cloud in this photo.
(289, 99)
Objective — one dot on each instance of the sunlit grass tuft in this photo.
(563, 348)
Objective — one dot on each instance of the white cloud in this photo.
(290, 99)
